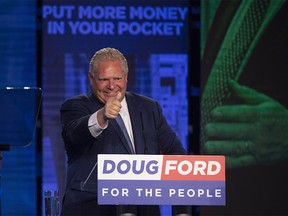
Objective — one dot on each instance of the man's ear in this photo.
(91, 77)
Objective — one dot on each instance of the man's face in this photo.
(109, 80)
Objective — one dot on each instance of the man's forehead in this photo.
(110, 76)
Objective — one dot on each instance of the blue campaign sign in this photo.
(161, 179)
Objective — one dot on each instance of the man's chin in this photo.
(110, 95)
(105, 97)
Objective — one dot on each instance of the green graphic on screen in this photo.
(239, 120)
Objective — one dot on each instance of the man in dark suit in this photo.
(90, 127)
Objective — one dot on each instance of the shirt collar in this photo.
(124, 109)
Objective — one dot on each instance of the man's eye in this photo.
(102, 80)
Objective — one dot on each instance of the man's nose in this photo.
(111, 84)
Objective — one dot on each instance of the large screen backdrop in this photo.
(153, 35)
(244, 102)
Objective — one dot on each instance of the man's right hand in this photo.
(110, 110)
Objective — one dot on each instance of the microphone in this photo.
(144, 138)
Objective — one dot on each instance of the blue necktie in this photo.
(124, 130)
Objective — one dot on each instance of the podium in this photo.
(18, 117)
(126, 179)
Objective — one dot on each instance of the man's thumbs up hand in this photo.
(119, 97)
(113, 107)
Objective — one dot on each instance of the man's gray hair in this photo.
(107, 54)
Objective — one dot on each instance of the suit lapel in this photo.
(134, 112)
(120, 135)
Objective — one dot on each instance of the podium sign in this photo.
(161, 179)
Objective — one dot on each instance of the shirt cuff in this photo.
(94, 128)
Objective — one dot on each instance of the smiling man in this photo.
(109, 120)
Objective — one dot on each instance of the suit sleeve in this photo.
(74, 119)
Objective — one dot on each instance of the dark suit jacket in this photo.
(152, 135)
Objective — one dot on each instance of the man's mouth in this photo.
(111, 94)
